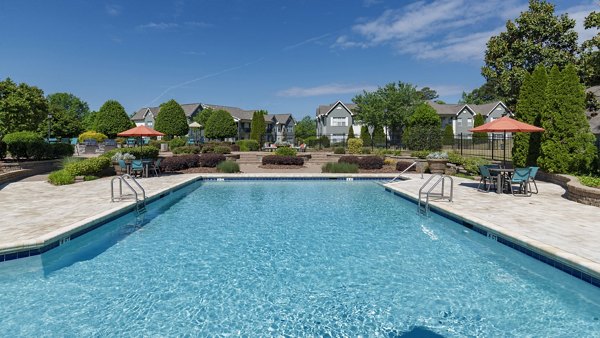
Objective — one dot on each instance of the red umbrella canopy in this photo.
(140, 131)
(506, 124)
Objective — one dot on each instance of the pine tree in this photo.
(365, 136)
(567, 144)
(479, 138)
(378, 136)
(351, 133)
(258, 127)
(530, 107)
(171, 120)
(448, 135)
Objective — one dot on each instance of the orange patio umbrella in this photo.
(140, 131)
(506, 124)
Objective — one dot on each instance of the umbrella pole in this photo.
(504, 147)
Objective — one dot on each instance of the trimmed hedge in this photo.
(210, 160)
(355, 145)
(222, 150)
(187, 150)
(139, 153)
(181, 162)
(90, 166)
(339, 150)
(286, 151)
(282, 160)
(92, 135)
(23, 144)
(248, 145)
(366, 162)
(342, 167)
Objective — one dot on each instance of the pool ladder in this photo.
(405, 170)
(427, 192)
(140, 203)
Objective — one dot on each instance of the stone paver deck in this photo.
(547, 222)
(31, 212)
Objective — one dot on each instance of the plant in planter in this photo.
(437, 162)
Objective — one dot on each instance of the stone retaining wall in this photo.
(29, 169)
(575, 190)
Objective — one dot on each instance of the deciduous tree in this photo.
(112, 119)
(424, 130)
(68, 113)
(305, 128)
(537, 36)
(220, 125)
(22, 107)
(590, 53)
(171, 120)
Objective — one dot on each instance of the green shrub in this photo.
(365, 150)
(341, 167)
(177, 142)
(312, 141)
(355, 146)
(90, 178)
(324, 141)
(222, 150)
(2, 150)
(92, 135)
(61, 177)
(590, 181)
(153, 143)
(422, 154)
(228, 167)
(139, 153)
(286, 151)
(68, 160)
(448, 138)
(339, 150)
(23, 144)
(187, 150)
(90, 166)
(248, 145)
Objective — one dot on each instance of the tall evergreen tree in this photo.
(379, 138)
(365, 136)
(351, 132)
(567, 143)
(448, 135)
(171, 120)
(530, 107)
(112, 119)
(479, 137)
(258, 126)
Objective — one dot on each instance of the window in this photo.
(339, 121)
(338, 138)
(470, 122)
(459, 122)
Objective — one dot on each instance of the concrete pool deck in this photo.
(34, 212)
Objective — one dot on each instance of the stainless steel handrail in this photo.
(428, 193)
(405, 170)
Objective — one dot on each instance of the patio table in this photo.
(500, 173)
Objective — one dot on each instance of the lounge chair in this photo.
(486, 178)
(137, 166)
(533, 171)
(520, 177)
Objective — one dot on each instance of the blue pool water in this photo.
(290, 258)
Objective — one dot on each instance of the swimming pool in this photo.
(290, 258)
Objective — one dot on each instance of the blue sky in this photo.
(282, 56)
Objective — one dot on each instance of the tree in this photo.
(365, 136)
(220, 125)
(89, 121)
(68, 113)
(203, 116)
(258, 127)
(567, 143)
(379, 137)
(428, 94)
(448, 135)
(305, 128)
(22, 107)
(479, 137)
(112, 119)
(484, 94)
(351, 132)
(590, 53)
(171, 120)
(536, 37)
(424, 130)
(530, 107)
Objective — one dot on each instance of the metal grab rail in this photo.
(424, 209)
(403, 171)
(140, 204)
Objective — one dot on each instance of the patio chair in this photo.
(155, 166)
(486, 178)
(123, 166)
(533, 171)
(520, 177)
(137, 166)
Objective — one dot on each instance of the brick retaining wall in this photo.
(575, 190)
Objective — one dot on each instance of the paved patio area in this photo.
(32, 211)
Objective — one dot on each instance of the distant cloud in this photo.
(113, 10)
(173, 25)
(328, 89)
(447, 90)
(579, 13)
(439, 29)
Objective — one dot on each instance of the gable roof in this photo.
(326, 109)
(282, 118)
(237, 113)
(453, 109)
(188, 109)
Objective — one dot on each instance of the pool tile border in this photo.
(507, 241)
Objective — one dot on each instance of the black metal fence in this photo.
(494, 147)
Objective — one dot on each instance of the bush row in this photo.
(183, 162)
(366, 162)
(187, 150)
(139, 153)
(286, 151)
(27, 144)
(88, 167)
(282, 160)
(341, 167)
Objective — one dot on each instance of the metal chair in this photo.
(520, 177)
(156, 166)
(486, 177)
(137, 166)
(123, 166)
(533, 171)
